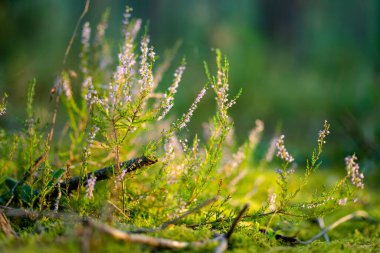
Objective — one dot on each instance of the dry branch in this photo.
(35, 215)
(321, 224)
(237, 219)
(222, 240)
(74, 183)
(357, 214)
(5, 226)
(102, 174)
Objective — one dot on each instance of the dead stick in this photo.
(36, 215)
(237, 219)
(5, 226)
(102, 174)
(321, 224)
(222, 240)
(137, 238)
(357, 214)
(85, 10)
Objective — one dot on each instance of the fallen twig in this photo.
(222, 240)
(237, 219)
(321, 224)
(35, 215)
(106, 173)
(357, 214)
(5, 226)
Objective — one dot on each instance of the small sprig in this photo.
(352, 168)
(323, 134)
(84, 54)
(90, 187)
(314, 163)
(186, 117)
(281, 150)
(172, 90)
(86, 33)
(91, 94)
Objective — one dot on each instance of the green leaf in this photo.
(10, 182)
(26, 193)
(58, 173)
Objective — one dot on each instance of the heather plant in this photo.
(123, 164)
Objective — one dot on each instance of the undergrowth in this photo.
(183, 186)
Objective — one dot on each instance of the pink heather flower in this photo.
(91, 96)
(113, 92)
(187, 116)
(342, 202)
(169, 150)
(281, 174)
(86, 33)
(121, 176)
(66, 87)
(145, 71)
(127, 15)
(169, 100)
(90, 140)
(101, 30)
(254, 135)
(174, 172)
(237, 158)
(92, 135)
(126, 56)
(90, 187)
(125, 68)
(352, 168)
(281, 150)
(272, 201)
(135, 29)
(271, 149)
(323, 133)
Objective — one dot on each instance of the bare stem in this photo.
(237, 219)
(357, 214)
(175, 220)
(222, 240)
(321, 224)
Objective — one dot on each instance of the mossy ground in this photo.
(48, 235)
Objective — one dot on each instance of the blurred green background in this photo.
(298, 62)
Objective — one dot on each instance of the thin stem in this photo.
(321, 224)
(237, 219)
(357, 214)
(176, 219)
